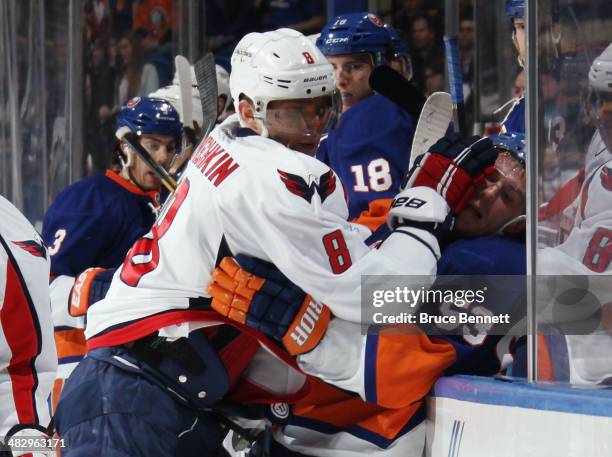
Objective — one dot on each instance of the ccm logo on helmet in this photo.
(302, 331)
(336, 40)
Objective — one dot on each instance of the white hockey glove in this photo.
(422, 208)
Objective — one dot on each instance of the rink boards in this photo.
(472, 416)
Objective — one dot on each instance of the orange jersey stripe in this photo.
(408, 364)
(70, 342)
(376, 214)
(330, 405)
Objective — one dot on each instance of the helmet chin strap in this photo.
(519, 218)
(126, 165)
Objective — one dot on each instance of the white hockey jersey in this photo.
(587, 251)
(28, 360)
(247, 195)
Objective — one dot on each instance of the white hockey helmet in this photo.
(172, 94)
(223, 89)
(600, 94)
(600, 74)
(279, 65)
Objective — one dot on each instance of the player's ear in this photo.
(247, 115)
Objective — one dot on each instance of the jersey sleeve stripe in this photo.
(370, 368)
(24, 337)
(427, 245)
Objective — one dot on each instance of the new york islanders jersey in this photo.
(515, 120)
(27, 352)
(369, 151)
(91, 223)
(391, 372)
(249, 195)
(94, 222)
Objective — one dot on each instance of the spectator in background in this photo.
(434, 78)
(226, 22)
(137, 78)
(101, 76)
(306, 16)
(121, 13)
(152, 15)
(97, 20)
(152, 22)
(466, 49)
(426, 50)
(405, 12)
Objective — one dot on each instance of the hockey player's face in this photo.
(499, 199)
(604, 116)
(299, 123)
(162, 149)
(352, 74)
(519, 37)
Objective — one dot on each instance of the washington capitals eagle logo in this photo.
(324, 186)
(33, 247)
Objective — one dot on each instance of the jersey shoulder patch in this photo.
(305, 188)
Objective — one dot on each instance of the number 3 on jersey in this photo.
(378, 176)
(143, 258)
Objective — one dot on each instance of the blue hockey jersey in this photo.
(95, 221)
(515, 120)
(399, 368)
(369, 151)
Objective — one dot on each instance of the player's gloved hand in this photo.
(421, 208)
(89, 287)
(256, 293)
(454, 166)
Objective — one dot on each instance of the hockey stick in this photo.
(433, 124)
(183, 70)
(206, 76)
(126, 136)
(434, 114)
(453, 61)
(390, 84)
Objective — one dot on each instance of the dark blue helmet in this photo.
(399, 50)
(515, 9)
(150, 115)
(512, 142)
(398, 45)
(355, 33)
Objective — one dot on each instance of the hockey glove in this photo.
(89, 287)
(454, 167)
(421, 208)
(256, 293)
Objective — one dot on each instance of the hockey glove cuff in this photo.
(269, 303)
(89, 287)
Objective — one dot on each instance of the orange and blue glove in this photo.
(89, 287)
(255, 293)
